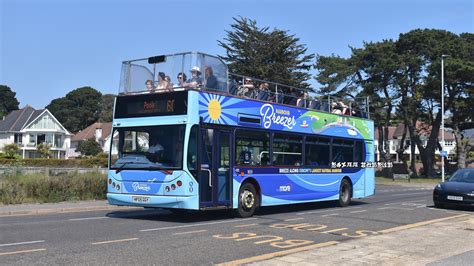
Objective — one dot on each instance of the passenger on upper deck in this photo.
(264, 92)
(181, 80)
(247, 89)
(163, 84)
(291, 97)
(303, 102)
(211, 80)
(195, 80)
(149, 85)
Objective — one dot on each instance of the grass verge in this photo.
(413, 181)
(34, 188)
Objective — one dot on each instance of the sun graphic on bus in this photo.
(219, 109)
(214, 109)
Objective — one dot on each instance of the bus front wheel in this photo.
(248, 201)
(345, 193)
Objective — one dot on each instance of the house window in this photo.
(19, 139)
(32, 139)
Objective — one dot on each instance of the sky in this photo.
(50, 47)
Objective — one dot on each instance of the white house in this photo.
(395, 136)
(100, 132)
(28, 127)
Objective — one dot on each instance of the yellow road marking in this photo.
(408, 226)
(277, 254)
(334, 230)
(190, 232)
(22, 251)
(294, 219)
(245, 225)
(114, 241)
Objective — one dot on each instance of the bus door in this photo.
(215, 169)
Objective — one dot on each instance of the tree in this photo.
(89, 147)
(272, 55)
(8, 101)
(11, 151)
(44, 150)
(78, 109)
(106, 108)
(403, 75)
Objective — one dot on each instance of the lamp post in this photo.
(442, 116)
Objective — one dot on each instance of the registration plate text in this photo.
(140, 199)
(459, 198)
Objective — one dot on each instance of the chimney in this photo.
(98, 133)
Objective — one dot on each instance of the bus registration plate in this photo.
(140, 199)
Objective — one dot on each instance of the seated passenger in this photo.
(149, 85)
(291, 97)
(263, 92)
(247, 89)
(170, 84)
(163, 85)
(336, 108)
(245, 156)
(211, 80)
(181, 80)
(315, 104)
(303, 102)
(196, 79)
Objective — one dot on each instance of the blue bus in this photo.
(187, 135)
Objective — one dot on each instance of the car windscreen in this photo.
(151, 147)
(463, 175)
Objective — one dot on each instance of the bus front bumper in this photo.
(153, 201)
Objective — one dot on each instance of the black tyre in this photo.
(439, 205)
(345, 193)
(248, 199)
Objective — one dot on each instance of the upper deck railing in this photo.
(182, 71)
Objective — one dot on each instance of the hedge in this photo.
(16, 189)
(44, 162)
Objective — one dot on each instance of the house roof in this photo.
(423, 129)
(18, 119)
(89, 132)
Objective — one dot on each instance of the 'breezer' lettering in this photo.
(269, 117)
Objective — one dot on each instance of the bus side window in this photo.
(252, 148)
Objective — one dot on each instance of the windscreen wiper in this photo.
(118, 170)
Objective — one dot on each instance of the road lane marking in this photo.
(245, 225)
(114, 241)
(395, 208)
(311, 212)
(358, 211)
(294, 219)
(198, 224)
(88, 218)
(413, 225)
(334, 230)
(22, 251)
(331, 214)
(277, 254)
(190, 232)
(21, 243)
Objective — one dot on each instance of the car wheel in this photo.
(248, 201)
(439, 205)
(345, 192)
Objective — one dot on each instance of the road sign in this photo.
(444, 153)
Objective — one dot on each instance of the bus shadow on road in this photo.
(203, 216)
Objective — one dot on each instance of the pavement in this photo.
(443, 242)
(60, 207)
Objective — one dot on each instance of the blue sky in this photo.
(48, 48)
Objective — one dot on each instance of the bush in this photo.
(33, 188)
(44, 162)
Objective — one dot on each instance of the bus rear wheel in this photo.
(248, 201)
(345, 193)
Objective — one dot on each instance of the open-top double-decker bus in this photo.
(187, 135)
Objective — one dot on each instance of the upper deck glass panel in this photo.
(167, 73)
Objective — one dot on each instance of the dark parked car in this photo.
(457, 190)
